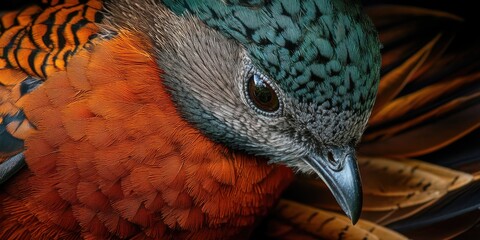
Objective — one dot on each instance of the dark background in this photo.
(465, 8)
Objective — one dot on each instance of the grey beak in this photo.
(338, 168)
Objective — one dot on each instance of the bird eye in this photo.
(261, 94)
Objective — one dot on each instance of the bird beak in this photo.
(338, 169)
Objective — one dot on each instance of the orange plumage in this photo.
(111, 157)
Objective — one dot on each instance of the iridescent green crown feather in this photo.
(324, 52)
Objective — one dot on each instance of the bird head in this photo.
(291, 81)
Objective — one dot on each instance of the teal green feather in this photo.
(324, 52)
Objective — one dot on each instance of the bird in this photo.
(92, 189)
(178, 119)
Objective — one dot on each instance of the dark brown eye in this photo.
(262, 94)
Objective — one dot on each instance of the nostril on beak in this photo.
(331, 158)
(334, 162)
(335, 159)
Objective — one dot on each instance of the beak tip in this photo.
(353, 209)
(354, 216)
(354, 221)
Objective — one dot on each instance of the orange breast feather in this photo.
(111, 157)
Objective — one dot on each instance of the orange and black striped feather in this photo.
(41, 40)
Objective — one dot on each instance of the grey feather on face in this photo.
(206, 74)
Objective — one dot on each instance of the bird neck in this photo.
(206, 186)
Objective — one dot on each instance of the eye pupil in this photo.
(262, 94)
(262, 91)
